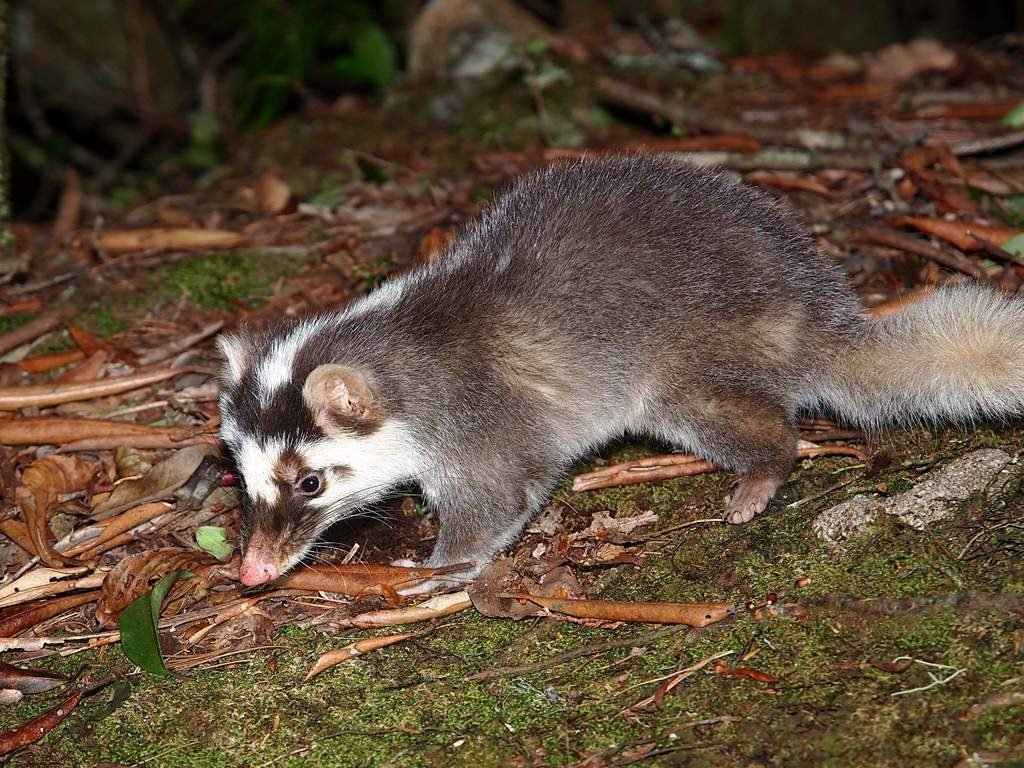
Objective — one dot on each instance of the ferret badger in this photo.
(626, 295)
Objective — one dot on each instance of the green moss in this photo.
(10, 322)
(412, 704)
(215, 281)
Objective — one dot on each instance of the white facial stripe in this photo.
(275, 370)
(376, 463)
(229, 430)
(257, 463)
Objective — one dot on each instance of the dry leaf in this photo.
(136, 575)
(159, 483)
(42, 484)
(180, 239)
(272, 194)
(331, 658)
(435, 607)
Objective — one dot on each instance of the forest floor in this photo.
(899, 645)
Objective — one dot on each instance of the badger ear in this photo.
(340, 398)
(236, 351)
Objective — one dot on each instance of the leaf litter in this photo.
(926, 191)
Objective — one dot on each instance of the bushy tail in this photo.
(956, 355)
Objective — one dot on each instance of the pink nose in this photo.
(256, 569)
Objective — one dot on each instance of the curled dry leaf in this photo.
(159, 483)
(47, 582)
(722, 668)
(357, 579)
(29, 681)
(51, 430)
(331, 658)
(435, 607)
(499, 578)
(42, 484)
(959, 233)
(14, 398)
(39, 726)
(691, 614)
(136, 575)
(17, 619)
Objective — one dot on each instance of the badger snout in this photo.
(257, 568)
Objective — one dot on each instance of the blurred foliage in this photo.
(282, 45)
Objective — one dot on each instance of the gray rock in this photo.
(935, 497)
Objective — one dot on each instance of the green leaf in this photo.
(214, 540)
(1015, 117)
(1014, 245)
(373, 60)
(138, 627)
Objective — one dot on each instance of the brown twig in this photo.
(34, 328)
(14, 398)
(911, 244)
(655, 468)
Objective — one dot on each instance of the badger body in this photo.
(626, 295)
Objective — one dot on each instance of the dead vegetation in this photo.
(908, 167)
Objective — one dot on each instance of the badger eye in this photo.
(310, 485)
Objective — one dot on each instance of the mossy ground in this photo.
(411, 705)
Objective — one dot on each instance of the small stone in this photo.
(935, 497)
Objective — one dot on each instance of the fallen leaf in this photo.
(435, 607)
(47, 582)
(16, 620)
(29, 681)
(214, 540)
(331, 658)
(42, 484)
(902, 61)
(39, 726)
(138, 625)
(134, 576)
(159, 483)
(272, 194)
(15, 398)
(602, 524)
(958, 232)
(722, 668)
(358, 579)
(53, 430)
(691, 614)
(176, 239)
(500, 578)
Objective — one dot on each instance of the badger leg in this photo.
(750, 436)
